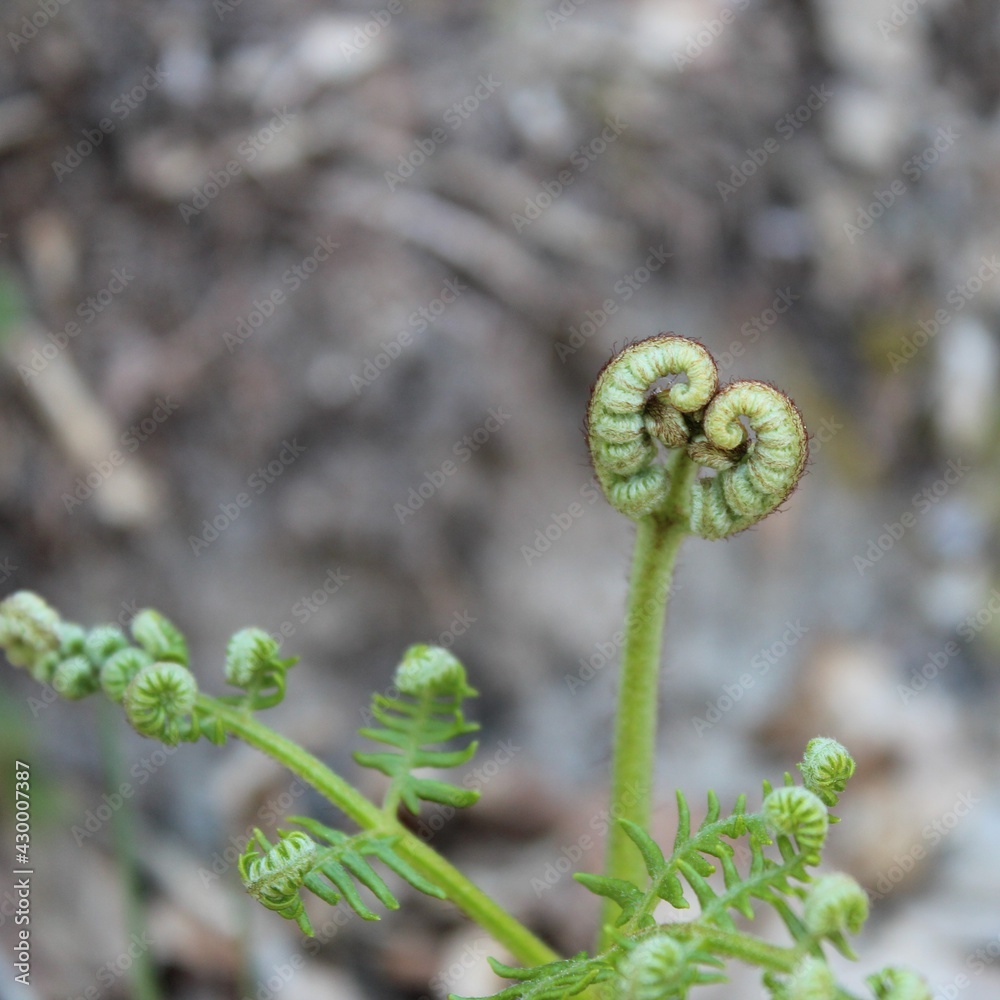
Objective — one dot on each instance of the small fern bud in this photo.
(812, 980)
(835, 903)
(250, 655)
(826, 768)
(895, 983)
(159, 637)
(44, 670)
(29, 629)
(652, 970)
(274, 878)
(75, 678)
(102, 641)
(118, 670)
(158, 700)
(430, 670)
(796, 812)
(72, 640)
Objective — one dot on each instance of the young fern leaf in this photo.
(690, 859)
(252, 663)
(553, 981)
(330, 864)
(426, 713)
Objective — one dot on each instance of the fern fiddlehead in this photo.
(826, 768)
(629, 422)
(428, 712)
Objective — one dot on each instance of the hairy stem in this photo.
(657, 541)
(471, 900)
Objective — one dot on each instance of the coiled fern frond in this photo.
(329, 864)
(628, 420)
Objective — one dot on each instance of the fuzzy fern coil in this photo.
(628, 421)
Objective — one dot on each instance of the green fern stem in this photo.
(734, 944)
(471, 900)
(657, 541)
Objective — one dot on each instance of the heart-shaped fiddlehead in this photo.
(756, 465)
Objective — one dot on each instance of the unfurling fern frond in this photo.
(252, 663)
(328, 863)
(426, 713)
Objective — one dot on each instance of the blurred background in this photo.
(302, 306)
